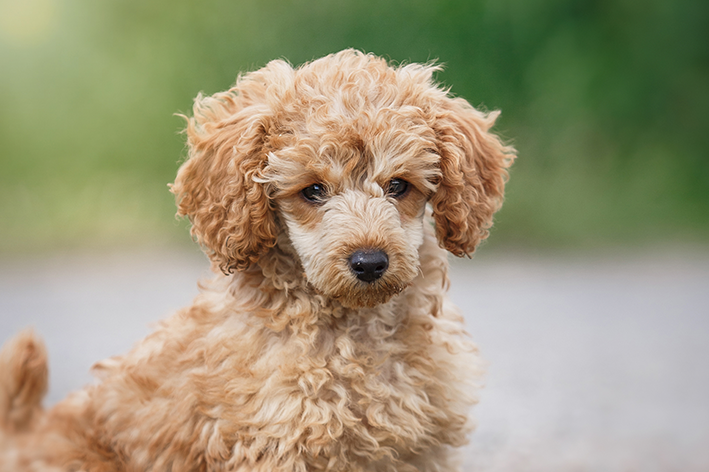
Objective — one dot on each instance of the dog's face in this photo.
(352, 199)
(342, 154)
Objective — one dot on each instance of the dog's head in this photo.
(342, 154)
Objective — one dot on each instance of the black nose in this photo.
(369, 264)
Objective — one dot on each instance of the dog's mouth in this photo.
(366, 295)
(365, 278)
(370, 294)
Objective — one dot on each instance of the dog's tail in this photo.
(23, 381)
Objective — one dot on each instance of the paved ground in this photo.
(595, 363)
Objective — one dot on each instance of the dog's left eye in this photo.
(397, 188)
(314, 193)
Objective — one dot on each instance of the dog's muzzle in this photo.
(369, 264)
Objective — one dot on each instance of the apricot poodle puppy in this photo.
(326, 197)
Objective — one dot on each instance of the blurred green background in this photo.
(606, 101)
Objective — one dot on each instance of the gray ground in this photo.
(595, 363)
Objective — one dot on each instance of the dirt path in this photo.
(595, 364)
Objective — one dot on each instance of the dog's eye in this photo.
(315, 193)
(397, 188)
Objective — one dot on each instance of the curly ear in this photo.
(216, 187)
(473, 164)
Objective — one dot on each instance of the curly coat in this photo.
(287, 361)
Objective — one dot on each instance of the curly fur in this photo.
(286, 361)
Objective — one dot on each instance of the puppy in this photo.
(325, 197)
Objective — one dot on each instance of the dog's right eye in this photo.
(314, 193)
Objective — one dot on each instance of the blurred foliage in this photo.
(606, 102)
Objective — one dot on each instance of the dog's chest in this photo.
(362, 388)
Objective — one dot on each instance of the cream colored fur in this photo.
(286, 361)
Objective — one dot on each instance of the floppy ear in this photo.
(473, 168)
(215, 188)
